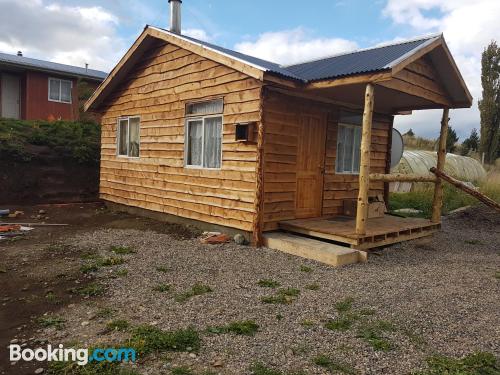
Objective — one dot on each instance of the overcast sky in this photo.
(283, 31)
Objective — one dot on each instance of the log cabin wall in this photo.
(281, 123)
(157, 90)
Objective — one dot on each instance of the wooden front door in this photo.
(310, 165)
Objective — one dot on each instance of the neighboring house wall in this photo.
(282, 124)
(158, 89)
(38, 105)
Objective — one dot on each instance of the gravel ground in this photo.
(440, 293)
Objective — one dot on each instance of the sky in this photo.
(283, 31)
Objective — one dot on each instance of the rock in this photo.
(218, 363)
(42, 212)
(85, 323)
(14, 341)
(192, 355)
(240, 239)
(39, 370)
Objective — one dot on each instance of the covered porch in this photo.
(428, 79)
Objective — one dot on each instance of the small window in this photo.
(60, 90)
(204, 134)
(128, 137)
(348, 149)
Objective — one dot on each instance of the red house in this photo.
(32, 89)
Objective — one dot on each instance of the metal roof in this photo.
(355, 62)
(29, 63)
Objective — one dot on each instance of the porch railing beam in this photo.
(437, 202)
(400, 177)
(364, 168)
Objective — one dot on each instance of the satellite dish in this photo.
(397, 147)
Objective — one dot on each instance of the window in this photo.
(348, 148)
(60, 90)
(204, 134)
(128, 133)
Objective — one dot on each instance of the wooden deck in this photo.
(379, 231)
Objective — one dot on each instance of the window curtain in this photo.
(195, 142)
(133, 145)
(340, 149)
(205, 108)
(122, 137)
(54, 89)
(213, 142)
(65, 91)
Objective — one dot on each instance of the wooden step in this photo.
(320, 251)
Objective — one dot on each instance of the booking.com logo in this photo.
(80, 356)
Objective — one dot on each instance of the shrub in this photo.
(148, 339)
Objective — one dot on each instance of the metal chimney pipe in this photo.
(175, 16)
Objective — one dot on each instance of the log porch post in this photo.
(364, 168)
(437, 202)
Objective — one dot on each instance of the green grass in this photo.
(283, 296)
(341, 323)
(118, 325)
(93, 368)
(453, 198)
(122, 250)
(268, 283)
(149, 339)
(313, 286)
(90, 290)
(162, 288)
(473, 242)
(344, 305)
(259, 368)
(497, 275)
(96, 262)
(244, 327)
(307, 323)
(51, 321)
(196, 290)
(78, 141)
(105, 313)
(52, 298)
(162, 269)
(333, 366)
(479, 363)
(306, 269)
(373, 333)
(183, 370)
(122, 273)
(111, 261)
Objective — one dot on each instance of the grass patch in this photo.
(183, 370)
(497, 275)
(162, 269)
(52, 298)
(118, 325)
(344, 305)
(149, 339)
(333, 366)
(90, 290)
(342, 323)
(268, 283)
(307, 323)
(244, 327)
(367, 312)
(479, 363)
(313, 286)
(88, 268)
(305, 269)
(111, 261)
(122, 273)
(122, 250)
(373, 333)
(283, 296)
(51, 321)
(93, 368)
(196, 290)
(105, 313)
(96, 262)
(162, 288)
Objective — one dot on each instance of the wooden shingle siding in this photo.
(157, 90)
(281, 122)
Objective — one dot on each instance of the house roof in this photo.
(354, 62)
(48, 66)
(361, 66)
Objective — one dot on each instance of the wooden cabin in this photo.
(197, 133)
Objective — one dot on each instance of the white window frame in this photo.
(186, 142)
(127, 136)
(60, 90)
(351, 172)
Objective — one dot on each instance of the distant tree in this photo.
(471, 143)
(451, 139)
(409, 133)
(489, 106)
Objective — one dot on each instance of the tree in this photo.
(410, 133)
(451, 139)
(471, 143)
(489, 105)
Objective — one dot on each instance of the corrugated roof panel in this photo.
(28, 62)
(369, 60)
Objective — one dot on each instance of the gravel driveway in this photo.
(435, 295)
